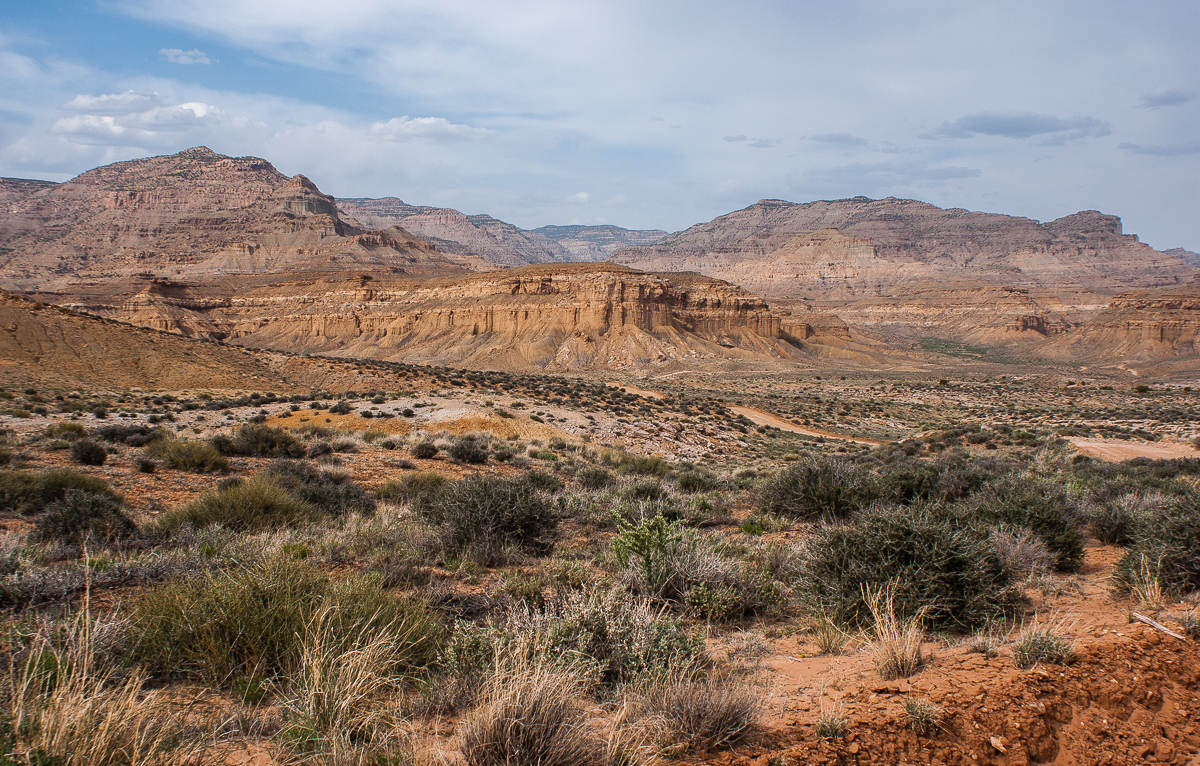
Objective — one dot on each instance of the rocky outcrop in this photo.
(565, 317)
(1187, 256)
(1140, 326)
(879, 261)
(196, 214)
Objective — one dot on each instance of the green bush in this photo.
(1169, 538)
(1041, 506)
(645, 465)
(329, 494)
(468, 450)
(543, 480)
(28, 493)
(68, 431)
(818, 488)
(424, 450)
(484, 514)
(693, 481)
(88, 452)
(243, 506)
(594, 478)
(937, 562)
(80, 515)
(259, 440)
(186, 455)
(249, 621)
(410, 486)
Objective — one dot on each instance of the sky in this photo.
(644, 114)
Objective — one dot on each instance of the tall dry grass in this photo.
(895, 641)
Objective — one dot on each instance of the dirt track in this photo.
(758, 417)
(1118, 451)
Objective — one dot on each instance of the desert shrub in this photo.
(940, 563)
(908, 480)
(921, 715)
(130, 434)
(341, 408)
(28, 493)
(663, 561)
(1169, 539)
(818, 488)
(425, 450)
(80, 515)
(411, 486)
(259, 503)
(68, 431)
(645, 489)
(695, 481)
(531, 715)
(543, 480)
(187, 455)
(251, 621)
(484, 514)
(88, 452)
(605, 636)
(329, 493)
(1114, 521)
(1041, 506)
(258, 440)
(468, 450)
(644, 465)
(1041, 643)
(593, 478)
(715, 711)
(1022, 553)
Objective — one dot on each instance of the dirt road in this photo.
(1119, 451)
(758, 417)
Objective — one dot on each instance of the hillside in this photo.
(49, 345)
(495, 241)
(196, 214)
(911, 267)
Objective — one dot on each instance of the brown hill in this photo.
(196, 213)
(566, 317)
(493, 240)
(909, 266)
(53, 346)
(1137, 327)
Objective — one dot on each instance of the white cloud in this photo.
(113, 103)
(178, 56)
(432, 129)
(580, 198)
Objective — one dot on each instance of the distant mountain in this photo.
(482, 236)
(195, 214)
(911, 267)
(493, 240)
(1187, 256)
(597, 243)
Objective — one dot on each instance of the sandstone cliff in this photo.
(597, 243)
(565, 317)
(1140, 326)
(195, 214)
(883, 262)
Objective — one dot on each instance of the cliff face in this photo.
(196, 213)
(562, 317)
(1136, 327)
(858, 257)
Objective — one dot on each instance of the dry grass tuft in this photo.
(713, 711)
(531, 715)
(895, 642)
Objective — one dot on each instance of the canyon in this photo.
(229, 248)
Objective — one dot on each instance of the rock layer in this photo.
(196, 214)
(565, 317)
(1137, 327)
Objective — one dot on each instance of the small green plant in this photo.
(828, 637)
(649, 546)
(28, 493)
(468, 450)
(1041, 643)
(831, 725)
(485, 514)
(921, 715)
(259, 503)
(260, 440)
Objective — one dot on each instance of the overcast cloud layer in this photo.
(646, 115)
